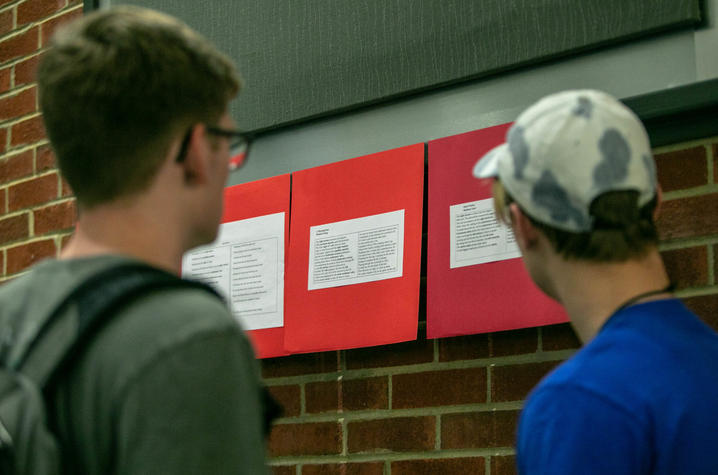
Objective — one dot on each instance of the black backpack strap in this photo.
(60, 340)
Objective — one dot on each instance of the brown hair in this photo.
(621, 229)
(117, 86)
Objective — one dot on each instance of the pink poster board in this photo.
(478, 298)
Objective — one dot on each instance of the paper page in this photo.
(476, 237)
(356, 250)
(246, 265)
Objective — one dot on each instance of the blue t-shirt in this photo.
(640, 398)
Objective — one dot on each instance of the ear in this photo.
(196, 163)
(524, 231)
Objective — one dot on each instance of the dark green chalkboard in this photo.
(302, 59)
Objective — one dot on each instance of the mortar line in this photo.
(690, 192)
(437, 436)
(535, 357)
(683, 145)
(391, 457)
(711, 267)
(376, 414)
(687, 242)
(709, 158)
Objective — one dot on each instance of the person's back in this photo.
(135, 106)
(637, 399)
(170, 386)
(577, 184)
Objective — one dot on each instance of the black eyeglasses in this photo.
(238, 145)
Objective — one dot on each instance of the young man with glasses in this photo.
(135, 106)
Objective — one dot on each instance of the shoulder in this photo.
(162, 322)
(170, 379)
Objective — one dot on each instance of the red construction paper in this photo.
(480, 298)
(250, 200)
(372, 313)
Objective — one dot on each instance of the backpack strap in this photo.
(65, 333)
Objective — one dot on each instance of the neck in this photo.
(130, 228)
(591, 293)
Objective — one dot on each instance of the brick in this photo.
(706, 307)
(715, 163)
(514, 342)
(682, 168)
(513, 382)
(49, 27)
(367, 468)
(283, 469)
(479, 430)
(6, 22)
(23, 256)
(369, 393)
(356, 394)
(322, 397)
(5, 2)
(27, 131)
(321, 438)
(25, 71)
(45, 159)
(288, 397)
(687, 267)
(3, 140)
(439, 388)
(65, 190)
(30, 11)
(468, 347)
(296, 365)
(413, 352)
(19, 45)
(688, 217)
(503, 465)
(452, 466)
(3, 200)
(32, 192)
(14, 228)
(56, 217)
(18, 105)
(16, 166)
(65, 240)
(559, 337)
(402, 434)
(5, 79)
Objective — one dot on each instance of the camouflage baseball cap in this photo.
(567, 149)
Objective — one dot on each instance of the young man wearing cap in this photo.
(135, 106)
(576, 182)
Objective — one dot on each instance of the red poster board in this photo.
(365, 314)
(479, 298)
(250, 200)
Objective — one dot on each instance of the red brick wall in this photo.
(445, 406)
(450, 406)
(36, 207)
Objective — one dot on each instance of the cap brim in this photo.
(487, 166)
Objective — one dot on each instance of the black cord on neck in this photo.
(669, 288)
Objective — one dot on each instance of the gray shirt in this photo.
(169, 386)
